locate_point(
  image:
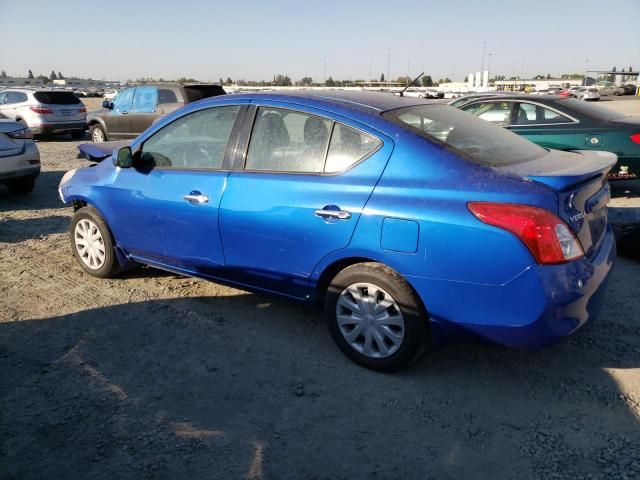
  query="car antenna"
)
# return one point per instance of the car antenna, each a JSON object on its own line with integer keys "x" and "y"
{"x": 414, "y": 81}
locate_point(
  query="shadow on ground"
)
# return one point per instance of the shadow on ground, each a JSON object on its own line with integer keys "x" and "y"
{"x": 246, "y": 386}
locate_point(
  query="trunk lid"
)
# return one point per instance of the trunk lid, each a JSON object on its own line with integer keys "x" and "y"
{"x": 10, "y": 146}
{"x": 579, "y": 180}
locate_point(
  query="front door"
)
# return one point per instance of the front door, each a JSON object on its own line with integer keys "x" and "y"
{"x": 166, "y": 206}
{"x": 117, "y": 119}
{"x": 304, "y": 184}
{"x": 144, "y": 110}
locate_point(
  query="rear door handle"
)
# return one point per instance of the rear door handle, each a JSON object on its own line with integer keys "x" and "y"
{"x": 196, "y": 197}
{"x": 337, "y": 214}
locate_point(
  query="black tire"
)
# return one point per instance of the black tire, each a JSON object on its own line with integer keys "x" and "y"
{"x": 416, "y": 329}
{"x": 78, "y": 134}
{"x": 21, "y": 186}
{"x": 96, "y": 131}
{"x": 110, "y": 266}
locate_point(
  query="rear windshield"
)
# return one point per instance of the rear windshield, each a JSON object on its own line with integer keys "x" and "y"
{"x": 592, "y": 110}
{"x": 473, "y": 138}
{"x": 56, "y": 98}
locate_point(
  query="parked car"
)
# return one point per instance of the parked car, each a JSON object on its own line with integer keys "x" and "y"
{"x": 567, "y": 124}
{"x": 630, "y": 89}
{"x": 19, "y": 157}
{"x": 386, "y": 210}
{"x": 587, "y": 93}
{"x": 608, "y": 88}
{"x": 433, "y": 93}
{"x": 411, "y": 92}
{"x": 474, "y": 96}
{"x": 134, "y": 109}
{"x": 109, "y": 94}
{"x": 45, "y": 111}
{"x": 574, "y": 90}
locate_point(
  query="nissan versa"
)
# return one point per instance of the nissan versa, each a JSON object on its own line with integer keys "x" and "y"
{"x": 410, "y": 222}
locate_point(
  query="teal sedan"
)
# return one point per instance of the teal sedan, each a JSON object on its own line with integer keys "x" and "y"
{"x": 564, "y": 123}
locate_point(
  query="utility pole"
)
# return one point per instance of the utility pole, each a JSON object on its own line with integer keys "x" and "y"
{"x": 489, "y": 69}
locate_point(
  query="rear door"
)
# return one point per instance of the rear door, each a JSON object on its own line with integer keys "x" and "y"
{"x": 144, "y": 109}
{"x": 551, "y": 128}
{"x": 298, "y": 195}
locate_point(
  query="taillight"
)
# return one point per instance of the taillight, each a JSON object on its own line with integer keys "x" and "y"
{"x": 23, "y": 133}
{"x": 41, "y": 110}
{"x": 635, "y": 138}
{"x": 83, "y": 110}
{"x": 547, "y": 237}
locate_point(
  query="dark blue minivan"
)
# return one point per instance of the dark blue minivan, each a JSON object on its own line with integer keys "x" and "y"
{"x": 409, "y": 222}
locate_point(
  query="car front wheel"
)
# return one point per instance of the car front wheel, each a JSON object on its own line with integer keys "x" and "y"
{"x": 375, "y": 317}
{"x": 97, "y": 133}
{"x": 92, "y": 243}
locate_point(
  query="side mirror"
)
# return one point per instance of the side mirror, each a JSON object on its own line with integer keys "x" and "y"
{"x": 122, "y": 157}
{"x": 107, "y": 104}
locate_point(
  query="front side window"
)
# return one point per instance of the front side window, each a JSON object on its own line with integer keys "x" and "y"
{"x": 145, "y": 100}
{"x": 348, "y": 146}
{"x": 197, "y": 140}
{"x": 287, "y": 141}
{"x": 530, "y": 114}
{"x": 122, "y": 101}
{"x": 496, "y": 112}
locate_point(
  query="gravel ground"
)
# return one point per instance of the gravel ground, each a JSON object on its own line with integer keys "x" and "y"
{"x": 153, "y": 375}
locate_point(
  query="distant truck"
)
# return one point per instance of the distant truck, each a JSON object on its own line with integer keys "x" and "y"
{"x": 134, "y": 109}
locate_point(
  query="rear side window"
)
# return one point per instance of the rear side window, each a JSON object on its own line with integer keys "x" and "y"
{"x": 197, "y": 140}
{"x": 530, "y": 114}
{"x": 56, "y": 98}
{"x": 145, "y": 100}
{"x": 348, "y": 146}
{"x": 16, "y": 97}
{"x": 288, "y": 141}
{"x": 473, "y": 138}
{"x": 166, "y": 96}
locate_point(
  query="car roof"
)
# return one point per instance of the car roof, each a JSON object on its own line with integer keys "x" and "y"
{"x": 362, "y": 101}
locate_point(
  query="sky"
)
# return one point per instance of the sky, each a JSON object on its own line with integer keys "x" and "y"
{"x": 347, "y": 39}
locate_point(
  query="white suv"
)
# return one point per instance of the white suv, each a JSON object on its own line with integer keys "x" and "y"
{"x": 45, "y": 111}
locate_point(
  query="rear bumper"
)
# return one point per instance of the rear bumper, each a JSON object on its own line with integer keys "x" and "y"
{"x": 25, "y": 164}
{"x": 538, "y": 307}
{"x": 58, "y": 127}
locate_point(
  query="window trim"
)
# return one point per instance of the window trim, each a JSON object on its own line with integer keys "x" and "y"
{"x": 240, "y": 160}
{"x": 228, "y": 154}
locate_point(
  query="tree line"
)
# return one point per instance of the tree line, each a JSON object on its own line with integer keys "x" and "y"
{"x": 45, "y": 79}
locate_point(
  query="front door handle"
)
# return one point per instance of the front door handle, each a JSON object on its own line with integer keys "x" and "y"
{"x": 335, "y": 214}
{"x": 196, "y": 197}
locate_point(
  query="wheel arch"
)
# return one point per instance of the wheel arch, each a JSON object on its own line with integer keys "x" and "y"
{"x": 329, "y": 272}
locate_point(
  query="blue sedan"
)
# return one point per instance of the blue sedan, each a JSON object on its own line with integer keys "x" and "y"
{"x": 412, "y": 224}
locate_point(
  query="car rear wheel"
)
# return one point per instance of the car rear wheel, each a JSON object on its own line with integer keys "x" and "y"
{"x": 375, "y": 317}
{"x": 21, "y": 186}
{"x": 92, "y": 243}
{"x": 97, "y": 133}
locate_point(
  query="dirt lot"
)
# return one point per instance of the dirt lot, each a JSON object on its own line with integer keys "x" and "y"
{"x": 152, "y": 375}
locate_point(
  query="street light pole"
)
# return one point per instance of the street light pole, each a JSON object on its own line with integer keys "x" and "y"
{"x": 325, "y": 69}
{"x": 388, "y": 64}
{"x": 489, "y": 68}
{"x": 484, "y": 50}
{"x": 586, "y": 70}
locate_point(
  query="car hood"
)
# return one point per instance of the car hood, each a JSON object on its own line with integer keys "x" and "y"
{"x": 96, "y": 152}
